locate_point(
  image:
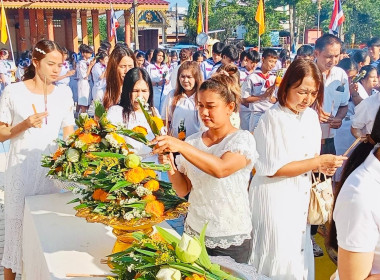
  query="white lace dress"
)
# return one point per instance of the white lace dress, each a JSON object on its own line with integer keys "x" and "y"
{"x": 282, "y": 246}
{"x": 222, "y": 203}
{"x": 24, "y": 175}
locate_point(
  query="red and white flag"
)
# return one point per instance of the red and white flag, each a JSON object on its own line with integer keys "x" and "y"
{"x": 114, "y": 24}
{"x": 337, "y": 18}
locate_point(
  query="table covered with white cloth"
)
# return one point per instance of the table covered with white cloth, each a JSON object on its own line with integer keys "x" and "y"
{"x": 57, "y": 243}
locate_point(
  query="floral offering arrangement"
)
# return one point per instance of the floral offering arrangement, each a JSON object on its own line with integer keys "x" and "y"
{"x": 112, "y": 183}
{"x": 164, "y": 256}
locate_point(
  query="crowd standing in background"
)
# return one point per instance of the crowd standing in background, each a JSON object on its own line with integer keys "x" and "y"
{"x": 227, "y": 114}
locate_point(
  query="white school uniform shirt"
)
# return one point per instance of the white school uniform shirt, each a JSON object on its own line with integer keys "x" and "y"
{"x": 255, "y": 85}
{"x": 173, "y": 76}
{"x": 243, "y": 77}
{"x": 99, "y": 84}
{"x": 357, "y": 211}
{"x": 5, "y": 68}
{"x": 185, "y": 110}
{"x": 65, "y": 68}
{"x": 156, "y": 72}
{"x": 206, "y": 67}
{"x": 333, "y": 99}
{"x": 365, "y": 113}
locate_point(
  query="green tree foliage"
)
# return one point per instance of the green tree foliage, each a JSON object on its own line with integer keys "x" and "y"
{"x": 362, "y": 18}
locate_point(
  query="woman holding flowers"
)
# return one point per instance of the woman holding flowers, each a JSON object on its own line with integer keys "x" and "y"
{"x": 137, "y": 86}
{"x": 214, "y": 169}
{"x": 121, "y": 60}
{"x": 32, "y": 112}
{"x": 180, "y": 104}
{"x": 288, "y": 138}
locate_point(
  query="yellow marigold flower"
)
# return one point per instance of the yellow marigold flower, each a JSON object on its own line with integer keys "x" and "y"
{"x": 149, "y": 197}
{"x": 159, "y": 122}
{"x": 152, "y": 185}
{"x": 89, "y": 138}
{"x": 58, "y": 153}
{"x": 155, "y": 208}
{"x": 78, "y": 131}
{"x": 135, "y": 175}
{"x": 89, "y": 124}
{"x": 150, "y": 173}
{"x": 140, "y": 129}
{"x": 101, "y": 195}
{"x": 119, "y": 139}
{"x": 182, "y": 135}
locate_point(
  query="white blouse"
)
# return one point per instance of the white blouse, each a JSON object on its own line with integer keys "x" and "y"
{"x": 357, "y": 211}
{"x": 222, "y": 203}
{"x": 115, "y": 116}
{"x": 185, "y": 111}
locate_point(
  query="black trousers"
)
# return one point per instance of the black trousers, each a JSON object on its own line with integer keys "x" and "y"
{"x": 240, "y": 254}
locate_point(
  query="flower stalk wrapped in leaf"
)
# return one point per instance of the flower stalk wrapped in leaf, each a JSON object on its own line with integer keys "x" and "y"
{"x": 164, "y": 256}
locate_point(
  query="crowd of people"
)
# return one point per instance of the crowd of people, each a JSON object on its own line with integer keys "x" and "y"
{"x": 245, "y": 133}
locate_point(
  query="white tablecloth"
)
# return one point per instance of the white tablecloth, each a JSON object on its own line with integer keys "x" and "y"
{"x": 56, "y": 243}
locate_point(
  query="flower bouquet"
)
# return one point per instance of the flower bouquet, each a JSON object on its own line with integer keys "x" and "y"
{"x": 164, "y": 256}
{"x": 112, "y": 184}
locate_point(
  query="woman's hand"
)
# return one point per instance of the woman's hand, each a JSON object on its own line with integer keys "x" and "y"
{"x": 324, "y": 117}
{"x": 165, "y": 144}
{"x": 35, "y": 120}
{"x": 167, "y": 159}
{"x": 328, "y": 164}
{"x": 353, "y": 88}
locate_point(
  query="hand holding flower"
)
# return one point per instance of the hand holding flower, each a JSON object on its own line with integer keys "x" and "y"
{"x": 165, "y": 144}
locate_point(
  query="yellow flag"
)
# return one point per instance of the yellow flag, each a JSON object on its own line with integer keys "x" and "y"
{"x": 200, "y": 19}
{"x": 260, "y": 17}
{"x": 3, "y": 26}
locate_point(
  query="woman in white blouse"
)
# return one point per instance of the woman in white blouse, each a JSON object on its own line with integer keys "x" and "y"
{"x": 180, "y": 104}
{"x": 214, "y": 169}
{"x": 137, "y": 84}
{"x": 288, "y": 140}
{"x": 356, "y": 232}
{"x": 159, "y": 74}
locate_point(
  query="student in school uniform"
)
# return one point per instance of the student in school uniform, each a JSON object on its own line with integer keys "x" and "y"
{"x": 259, "y": 88}
{"x": 208, "y": 64}
{"x": 84, "y": 67}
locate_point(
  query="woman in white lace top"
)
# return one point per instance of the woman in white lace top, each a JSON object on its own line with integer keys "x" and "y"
{"x": 214, "y": 167}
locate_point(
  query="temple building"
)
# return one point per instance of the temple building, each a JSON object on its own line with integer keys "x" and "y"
{"x": 30, "y": 20}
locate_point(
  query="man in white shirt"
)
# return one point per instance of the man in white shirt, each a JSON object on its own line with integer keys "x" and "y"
{"x": 336, "y": 94}
{"x": 208, "y": 64}
{"x": 335, "y": 103}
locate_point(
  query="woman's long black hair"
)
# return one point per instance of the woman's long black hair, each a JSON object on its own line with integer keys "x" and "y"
{"x": 357, "y": 157}
{"x": 130, "y": 79}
